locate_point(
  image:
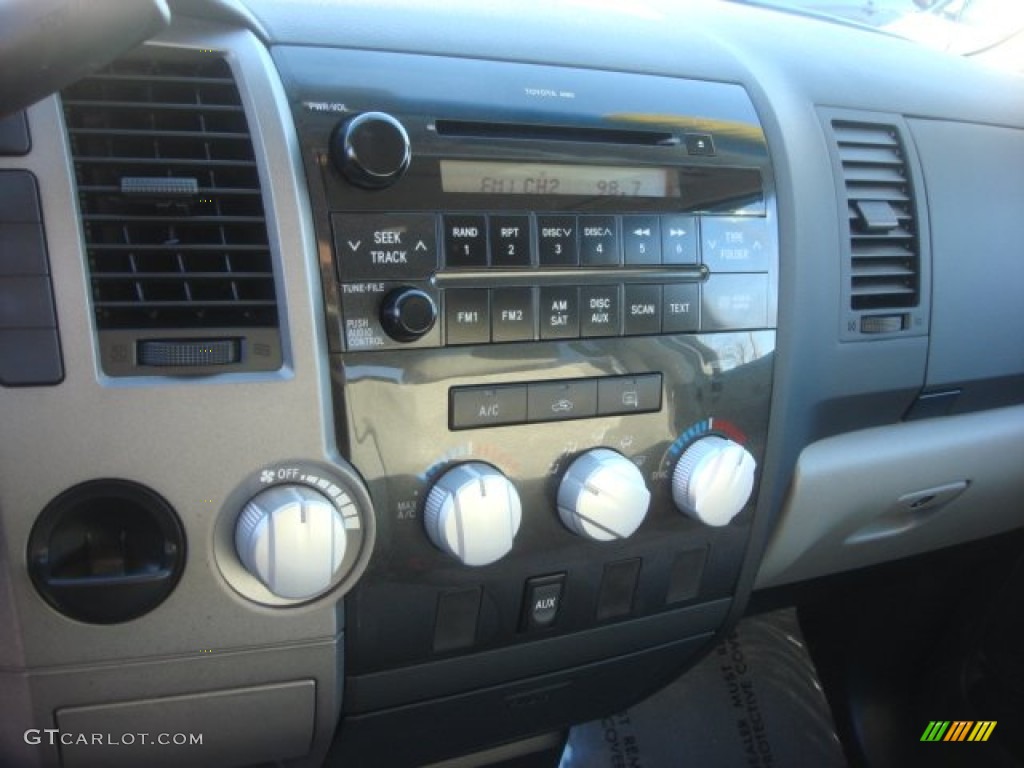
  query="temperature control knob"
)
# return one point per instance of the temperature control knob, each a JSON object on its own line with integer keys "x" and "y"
{"x": 603, "y": 496}
{"x": 473, "y": 513}
{"x": 292, "y": 538}
{"x": 713, "y": 480}
{"x": 407, "y": 314}
{"x": 371, "y": 150}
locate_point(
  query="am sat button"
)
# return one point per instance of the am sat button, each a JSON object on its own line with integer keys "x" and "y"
{"x": 487, "y": 406}
{"x": 542, "y": 601}
{"x": 561, "y": 400}
{"x": 559, "y": 312}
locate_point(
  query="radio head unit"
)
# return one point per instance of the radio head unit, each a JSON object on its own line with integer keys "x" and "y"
{"x": 506, "y": 208}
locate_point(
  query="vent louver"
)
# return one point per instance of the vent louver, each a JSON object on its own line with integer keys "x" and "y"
{"x": 170, "y": 198}
{"x": 885, "y": 268}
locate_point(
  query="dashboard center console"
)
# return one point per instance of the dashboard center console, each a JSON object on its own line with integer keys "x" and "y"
{"x": 552, "y": 297}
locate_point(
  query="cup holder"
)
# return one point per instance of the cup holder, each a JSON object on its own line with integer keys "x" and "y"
{"x": 106, "y": 551}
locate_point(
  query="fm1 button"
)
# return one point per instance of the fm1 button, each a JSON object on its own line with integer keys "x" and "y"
{"x": 542, "y": 602}
{"x": 467, "y": 315}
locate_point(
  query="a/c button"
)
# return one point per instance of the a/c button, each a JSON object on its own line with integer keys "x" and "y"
{"x": 487, "y": 406}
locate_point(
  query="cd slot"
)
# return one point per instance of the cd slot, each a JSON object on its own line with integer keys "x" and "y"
{"x": 494, "y": 278}
{"x": 477, "y": 129}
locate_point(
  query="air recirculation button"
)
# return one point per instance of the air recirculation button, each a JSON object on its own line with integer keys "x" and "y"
{"x": 106, "y": 551}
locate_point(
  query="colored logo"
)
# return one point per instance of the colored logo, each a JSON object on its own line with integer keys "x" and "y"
{"x": 958, "y": 730}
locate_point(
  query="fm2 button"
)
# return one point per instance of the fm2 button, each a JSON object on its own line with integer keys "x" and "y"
{"x": 542, "y": 602}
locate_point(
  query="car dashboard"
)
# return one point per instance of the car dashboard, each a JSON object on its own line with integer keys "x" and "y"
{"x": 386, "y": 383}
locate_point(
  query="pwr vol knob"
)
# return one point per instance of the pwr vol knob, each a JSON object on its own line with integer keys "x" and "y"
{"x": 371, "y": 149}
{"x": 473, "y": 513}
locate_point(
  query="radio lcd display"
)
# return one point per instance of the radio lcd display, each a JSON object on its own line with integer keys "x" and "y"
{"x": 504, "y": 178}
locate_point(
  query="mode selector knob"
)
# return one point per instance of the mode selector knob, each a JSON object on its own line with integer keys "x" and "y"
{"x": 713, "y": 480}
{"x": 473, "y": 513}
{"x": 371, "y": 150}
{"x": 603, "y": 496}
{"x": 292, "y": 538}
{"x": 407, "y": 314}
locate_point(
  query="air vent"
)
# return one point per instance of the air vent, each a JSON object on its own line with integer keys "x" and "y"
{"x": 884, "y": 246}
{"x": 172, "y": 212}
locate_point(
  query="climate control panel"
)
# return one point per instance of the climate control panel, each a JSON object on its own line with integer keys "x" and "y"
{"x": 610, "y": 495}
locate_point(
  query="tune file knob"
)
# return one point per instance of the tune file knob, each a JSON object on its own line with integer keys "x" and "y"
{"x": 292, "y": 538}
{"x": 603, "y": 496}
{"x": 407, "y": 314}
{"x": 713, "y": 479}
{"x": 473, "y": 513}
{"x": 371, "y": 150}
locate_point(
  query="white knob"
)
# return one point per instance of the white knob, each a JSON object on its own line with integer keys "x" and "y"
{"x": 291, "y": 538}
{"x": 603, "y": 496}
{"x": 713, "y": 480}
{"x": 473, "y": 513}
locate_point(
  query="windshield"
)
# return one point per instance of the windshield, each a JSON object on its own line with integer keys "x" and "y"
{"x": 990, "y": 30}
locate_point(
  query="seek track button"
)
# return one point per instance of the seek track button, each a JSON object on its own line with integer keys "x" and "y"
{"x": 385, "y": 246}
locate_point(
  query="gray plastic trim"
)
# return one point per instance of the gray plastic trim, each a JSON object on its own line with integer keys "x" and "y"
{"x": 878, "y": 494}
{"x": 192, "y": 440}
